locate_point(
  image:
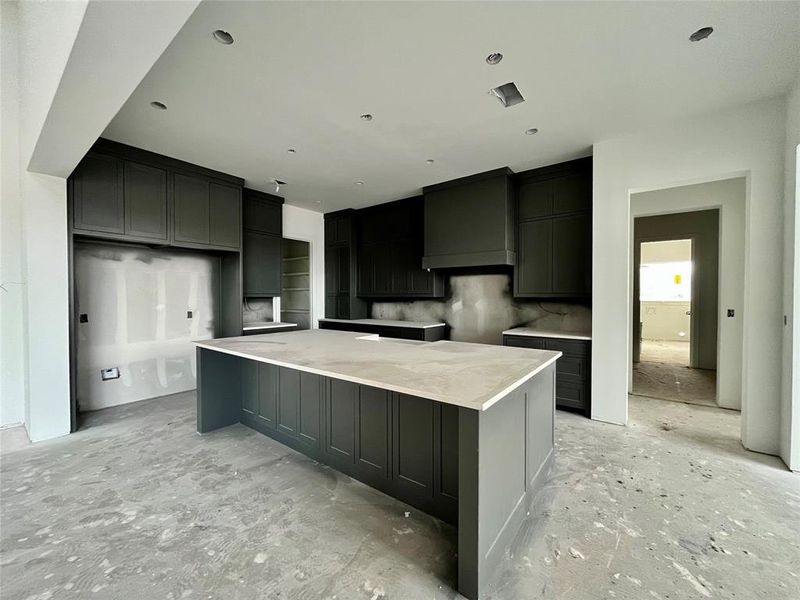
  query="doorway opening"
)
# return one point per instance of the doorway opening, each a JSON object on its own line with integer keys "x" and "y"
{"x": 665, "y": 293}
{"x": 675, "y": 307}
{"x": 295, "y": 300}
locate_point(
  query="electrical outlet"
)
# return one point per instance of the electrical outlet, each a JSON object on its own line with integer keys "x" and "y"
{"x": 188, "y": 314}
{"x": 84, "y": 318}
{"x": 107, "y": 374}
{"x": 730, "y": 312}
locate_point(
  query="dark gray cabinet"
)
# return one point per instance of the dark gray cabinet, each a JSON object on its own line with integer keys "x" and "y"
{"x": 261, "y": 255}
{"x": 122, "y": 193}
{"x": 145, "y": 199}
{"x": 98, "y": 202}
{"x": 225, "y": 202}
{"x": 554, "y": 231}
{"x": 423, "y": 334}
{"x": 206, "y": 212}
{"x": 573, "y": 369}
{"x": 191, "y": 221}
{"x": 262, "y": 229}
{"x": 469, "y": 222}
{"x": 404, "y": 445}
{"x": 341, "y": 270}
{"x": 390, "y": 247}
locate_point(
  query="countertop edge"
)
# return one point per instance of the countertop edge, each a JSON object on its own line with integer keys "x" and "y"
{"x": 386, "y": 386}
{"x": 409, "y": 324}
{"x": 565, "y": 335}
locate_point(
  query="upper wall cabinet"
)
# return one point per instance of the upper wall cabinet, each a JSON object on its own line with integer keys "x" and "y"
{"x": 390, "y": 246}
{"x": 206, "y": 212}
{"x": 261, "y": 249}
{"x": 97, "y": 188}
{"x": 145, "y": 198}
{"x": 123, "y": 193}
{"x": 554, "y": 231}
{"x": 341, "y": 301}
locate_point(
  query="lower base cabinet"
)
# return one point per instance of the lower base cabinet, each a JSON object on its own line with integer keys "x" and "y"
{"x": 403, "y": 445}
{"x": 573, "y": 369}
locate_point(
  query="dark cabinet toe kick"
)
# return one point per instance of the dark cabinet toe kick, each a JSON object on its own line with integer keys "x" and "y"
{"x": 478, "y": 470}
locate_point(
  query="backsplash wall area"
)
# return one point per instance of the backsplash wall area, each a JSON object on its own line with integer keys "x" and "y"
{"x": 135, "y": 304}
{"x": 478, "y": 308}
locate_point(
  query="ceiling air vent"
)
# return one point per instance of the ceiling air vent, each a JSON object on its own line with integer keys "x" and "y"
{"x": 508, "y": 94}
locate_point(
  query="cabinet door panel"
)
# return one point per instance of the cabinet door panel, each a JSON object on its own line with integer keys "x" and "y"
{"x": 262, "y": 215}
{"x": 449, "y": 451}
{"x": 331, "y": 269}
{"x": 261, "y": 256}
{"x": 570, "y": 394}
{"x": 288, "y": 400}
{"x": 535, "y": 199}
{"x": 267, "y": 393}
{"x": 572, "y": 193}
{"x": 413, "y": 443}
{"x": 373, "y": 429}
{"x": 572, "y": 247}
{"x": 310, "y": 407}
{"x": 225, "y": 203}
{"x": 382, "y": 269}
{"x": 534, "y": 268}
{"x": 250, "y": 387}
{"x": 342, "y": 306}
{"x": 145, "y": 191}
{"x": 98, "y": 203}
{"x": 191, "y": 209}
{"x": 343, "y": 269}
{"x": 341, "y": 419}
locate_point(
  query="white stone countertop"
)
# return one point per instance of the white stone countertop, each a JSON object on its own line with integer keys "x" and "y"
{"x": 549, "y": 333}
{"x": 471, "y": 375}
{"x": 389, "y": 323}
{"x": 265, "y": 325}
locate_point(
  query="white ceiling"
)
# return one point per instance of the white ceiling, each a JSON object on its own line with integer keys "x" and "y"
{"x": 300, "y": 74}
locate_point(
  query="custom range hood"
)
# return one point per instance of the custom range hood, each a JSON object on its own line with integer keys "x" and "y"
{"x": 469, "y": 222}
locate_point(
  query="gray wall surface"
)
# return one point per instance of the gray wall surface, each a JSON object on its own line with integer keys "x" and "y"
{"x": 136, "y": 301}
{"x": 702, "y": 227}
{"x": 478, "y": 308}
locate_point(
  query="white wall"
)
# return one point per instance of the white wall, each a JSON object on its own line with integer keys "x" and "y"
{"x": 666, "y": 321}
{"x": 790, "y": 401}
{"x": 309, "y": 226}
{"x": 35, "y": 342}
{"x": 12, "y": 362}
{"x": 729, "y": 196}
{"x": 747, "y": 141}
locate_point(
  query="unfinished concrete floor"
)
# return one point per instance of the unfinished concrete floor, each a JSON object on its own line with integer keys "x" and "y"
{"x": 138, "y": 506}
{"x": 665, "y": 351}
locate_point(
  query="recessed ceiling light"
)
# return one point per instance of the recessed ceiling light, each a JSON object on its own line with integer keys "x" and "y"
{"x": 494, "y": 58}
{"x": 701, "y": 34}
{"x": 366, "y": 117}
{"x": 359, "y": 182}
{"x": 531, "y": 131}
{"x": 158, "y": 105}
{"x": 429, "y": 161}
{"x": 223, "y": 37}
{"x": 292, "y": 151}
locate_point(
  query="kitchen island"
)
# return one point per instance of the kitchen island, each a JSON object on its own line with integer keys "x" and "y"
{"x": 461, "y": 431}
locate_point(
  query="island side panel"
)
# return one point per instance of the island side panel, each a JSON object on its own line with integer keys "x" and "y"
{"x": 504, "y": 457}
{"x": 219, "y": 390}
